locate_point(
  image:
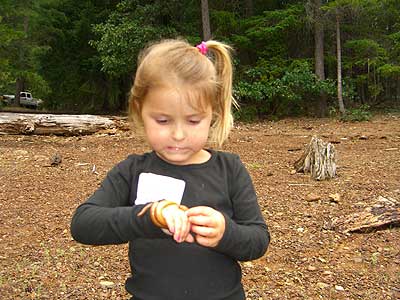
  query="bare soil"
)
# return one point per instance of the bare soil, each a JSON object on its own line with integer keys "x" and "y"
{"x": 305, "y": 260}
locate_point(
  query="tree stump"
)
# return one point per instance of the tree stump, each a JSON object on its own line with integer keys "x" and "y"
{"x": 319, "y": 159}
{"x": 383, "y": 214}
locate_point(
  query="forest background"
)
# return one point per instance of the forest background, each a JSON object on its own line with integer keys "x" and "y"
{"x": 291, "y": 57}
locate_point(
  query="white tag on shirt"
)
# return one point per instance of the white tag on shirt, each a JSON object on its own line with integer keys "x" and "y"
{"x": 153, "y": 187}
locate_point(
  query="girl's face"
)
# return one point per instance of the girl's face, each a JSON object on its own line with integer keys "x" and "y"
{"x": 175, "y": 130}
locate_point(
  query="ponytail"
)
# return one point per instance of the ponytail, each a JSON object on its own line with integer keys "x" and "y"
{"x": 222, "y": 107}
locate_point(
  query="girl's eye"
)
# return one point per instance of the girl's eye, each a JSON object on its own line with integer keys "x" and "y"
{"x": 162, "y": 121}
{"x": 194, "y": 122}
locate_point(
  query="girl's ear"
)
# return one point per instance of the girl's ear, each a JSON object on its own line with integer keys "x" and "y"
{"x": 213, "y": 117}
{"x": 137, "y": 108}
{"x": 135, "y": 111}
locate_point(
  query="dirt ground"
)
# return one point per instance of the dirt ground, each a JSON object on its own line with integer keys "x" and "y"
{"x": 305, "y": 260}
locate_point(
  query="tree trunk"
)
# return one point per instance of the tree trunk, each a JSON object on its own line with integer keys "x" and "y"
{"x": 249, "y": 8}
{"x": 339, "y": 66}
{"x": 19, "y": 85}
{"x": 20, "y": 81}
{"x": 205, "y": 20}
{"x": 46, "y": 124}
{"x": 319, "y": 56}
{"x": 364, "y": 92}
{"x": 397, "y": 97}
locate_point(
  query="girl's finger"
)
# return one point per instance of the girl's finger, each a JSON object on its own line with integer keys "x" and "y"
{"x": 189, "y": 238}
{"x": 203, "y": 231}
{"x": 186, "y": 228}
{"x": 202, "y": 220}
{"x": 178, "y": 229}
{"x": 204, "y": 241}
{"x": 166, "y": 231}
{"x": 200, "y": 210}
{"x": 182, "y": 228}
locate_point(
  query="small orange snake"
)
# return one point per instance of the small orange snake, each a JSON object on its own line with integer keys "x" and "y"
{"x": 156, "y": 209}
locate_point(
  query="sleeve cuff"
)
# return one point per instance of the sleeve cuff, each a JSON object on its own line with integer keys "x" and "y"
{"x": 226, "y": 240}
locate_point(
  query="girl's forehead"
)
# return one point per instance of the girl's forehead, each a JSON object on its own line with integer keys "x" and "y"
{"x": 184, "y": 96}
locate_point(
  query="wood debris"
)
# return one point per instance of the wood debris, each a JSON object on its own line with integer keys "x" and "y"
{"x": 383, "y": 214}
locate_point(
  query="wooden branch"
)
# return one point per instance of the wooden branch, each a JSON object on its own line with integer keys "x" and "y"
{"x": 319, "y": 159}
{"x": 383, "y": 214}
{"x": 45, "y": 124}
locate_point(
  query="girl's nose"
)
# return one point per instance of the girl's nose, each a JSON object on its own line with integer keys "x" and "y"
{"x": 178, "y": 133}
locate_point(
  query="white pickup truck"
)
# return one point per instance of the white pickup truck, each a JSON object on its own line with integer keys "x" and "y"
{"x": 25, "y": 99}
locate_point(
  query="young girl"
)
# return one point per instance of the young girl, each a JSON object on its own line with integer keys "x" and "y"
{"x": 189, "y": 213}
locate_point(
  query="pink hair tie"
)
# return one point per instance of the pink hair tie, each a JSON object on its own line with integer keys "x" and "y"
{"x": 202, "y": 48}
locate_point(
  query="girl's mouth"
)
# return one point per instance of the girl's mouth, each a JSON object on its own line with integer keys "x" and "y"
{"x": 175, "y": 148}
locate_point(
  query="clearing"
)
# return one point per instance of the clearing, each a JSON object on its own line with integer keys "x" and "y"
{"x": 306, "y": 260}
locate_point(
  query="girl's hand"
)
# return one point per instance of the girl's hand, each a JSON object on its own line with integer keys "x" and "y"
{"x": 178, "y": 224}
{"x": 208, "y": 225}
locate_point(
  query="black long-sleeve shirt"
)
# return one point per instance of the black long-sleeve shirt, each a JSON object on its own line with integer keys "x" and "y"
{"x": 162, "y": 268}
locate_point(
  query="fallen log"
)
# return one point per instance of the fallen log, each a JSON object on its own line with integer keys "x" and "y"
{"x": 319, "y": 158}
{"x": 383, "y": 214}
{"x": 46, "y": 124}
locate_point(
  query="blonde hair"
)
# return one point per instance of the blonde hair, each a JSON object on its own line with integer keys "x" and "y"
{"x": 205, "y": 80}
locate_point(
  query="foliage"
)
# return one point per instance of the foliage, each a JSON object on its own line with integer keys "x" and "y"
{"x": 81, "y": 55}
{"x": 124, "y": 34}
{"x": 288, "y": 94}
{"x": 270, "y": 34}
{"x": 70, "y": 64}
{"x": 388, "y": 70}
{"x": 7, "y": 36}
{"x": 365, "y": 51}
{"x": 357, "y": 114}
{"x": 395, "y": 38}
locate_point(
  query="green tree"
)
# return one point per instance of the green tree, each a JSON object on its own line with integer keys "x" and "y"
{"x": 82, "y": 54}
{"x": 7, "y": 36}
{"x": 71, "y": 65}
{"x": 341, "y": 11}
{"x": 132, "y": 25}
{"x": 20, "y": 49}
